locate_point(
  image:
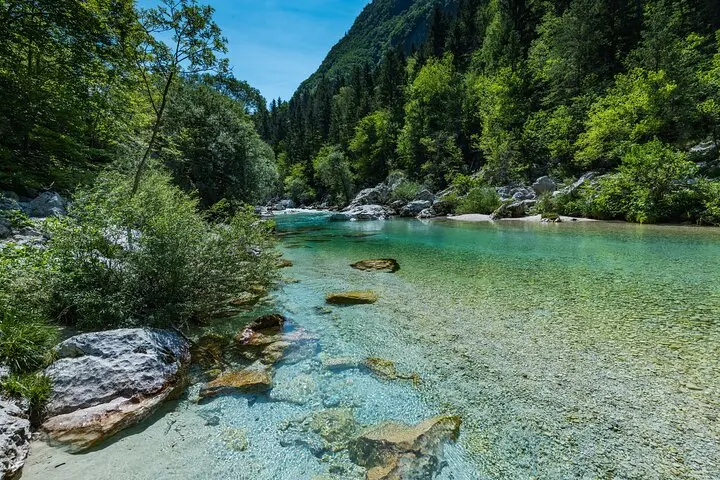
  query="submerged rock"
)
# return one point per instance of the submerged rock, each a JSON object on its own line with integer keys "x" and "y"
{"x": 336, "y": 427}
{"x": 283, "y": 263}
{"x": 397, "y": 451}
{"x": 380, "y": 264}
{"x": 386, "y": 369}
{"x": 107, "y": 381}
{"x": 250, "y": 380}
{"x": 352, "y": 298}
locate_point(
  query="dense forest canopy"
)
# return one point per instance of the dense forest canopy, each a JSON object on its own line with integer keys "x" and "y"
{"x": 88, "y": 83}
{"x": 513, "y": 89}
{"x": 503, "y": 90}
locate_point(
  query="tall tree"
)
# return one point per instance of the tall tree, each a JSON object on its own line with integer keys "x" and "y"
{"x": 195, "y": 41}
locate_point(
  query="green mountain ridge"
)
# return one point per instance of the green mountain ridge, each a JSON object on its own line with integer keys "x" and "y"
{"x": 383, "y": 24}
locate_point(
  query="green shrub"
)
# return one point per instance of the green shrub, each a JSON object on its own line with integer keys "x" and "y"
{"x": 710, "y": 214}
{"x": 406, "y": 191}
{"x": 34, "y": 387}
{"x": 482, "y": 200}
{"x": 25, "y": 343}
{"x": 462, "y": 184}
{"x": 653, "y": 184}
{"x": 153, "y": 259}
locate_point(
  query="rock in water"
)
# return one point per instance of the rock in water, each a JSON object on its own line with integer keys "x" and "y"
{"x": 363, "y": 212}
{"x": 352, "y": 298}
{"x": 14, "y": 436}
{"x": 414, "y": 208}
{"x": 107, "y": 381}
{"x": 380, "y": 264}
{"x": 397, "y": 451}
{"x": 243, "y": 381}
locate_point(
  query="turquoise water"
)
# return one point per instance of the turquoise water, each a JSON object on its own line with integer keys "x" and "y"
{"x": 585, "y": 350}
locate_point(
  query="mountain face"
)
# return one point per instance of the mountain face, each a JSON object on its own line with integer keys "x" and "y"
{"x": 383, "y": 24}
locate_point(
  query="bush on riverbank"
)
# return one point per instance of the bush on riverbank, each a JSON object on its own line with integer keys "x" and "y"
{"x": 153, "y": 259}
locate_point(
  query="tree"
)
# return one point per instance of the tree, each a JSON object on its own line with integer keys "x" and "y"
{"x": 709, "y": 107}
{"x": 639, "y": 107}
{"x": 214, "y": 148}
{"x": 373, "y": 147}
{"x": 427, "y": 145}
{"x": 332, "y": 170}
{"x": 652, "y": 184}
{"x": 195, "y": 40}
{"x": 67, "y": 91}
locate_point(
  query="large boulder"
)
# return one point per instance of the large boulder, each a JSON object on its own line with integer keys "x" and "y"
{"x": 398, "y": 451}
{"x": 425, "y": 195}
{"x": 378, "y": 195}
{"x": 363, "y": 212}
{"x": 570, "y": 189}
{"x": 5, "y": 228}
{"x": 14, "y": 436}
{"x": 414, "y": 208}
{"x": 544, "y": 185}
{"x": 523, "y": 193}
{"x": 107, "y": 381}
{"x": 427, "y": 213}
{"x": 514, "y": 210}
{"x": 7, "y": 203}
{"x": 47, "y": 204}
{"x": 14, "y": 432}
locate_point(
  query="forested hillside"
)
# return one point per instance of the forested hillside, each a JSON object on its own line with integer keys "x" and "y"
{"x": 513, "y": 90}
{"x": 82, "y": 83}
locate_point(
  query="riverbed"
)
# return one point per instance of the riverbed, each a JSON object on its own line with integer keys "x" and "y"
{"x": 575, "y": 350}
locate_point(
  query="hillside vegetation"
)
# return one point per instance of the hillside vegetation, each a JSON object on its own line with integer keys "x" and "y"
{"x": 510, "y": 90}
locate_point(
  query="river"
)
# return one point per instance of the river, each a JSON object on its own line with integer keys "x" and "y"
{"x": 576, "y": 350}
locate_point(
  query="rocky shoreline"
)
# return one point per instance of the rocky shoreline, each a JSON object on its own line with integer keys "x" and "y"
{"x": 379, "y": 203}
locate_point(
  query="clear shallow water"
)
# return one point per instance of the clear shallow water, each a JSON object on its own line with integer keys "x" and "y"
{"x": 570, "y": 351}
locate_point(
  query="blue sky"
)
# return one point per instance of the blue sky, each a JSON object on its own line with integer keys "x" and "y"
{"x": 276, "y": 44}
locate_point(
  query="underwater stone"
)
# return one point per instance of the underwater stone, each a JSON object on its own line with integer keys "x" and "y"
{"x": 379, "y": 264}
{"x": 243, "y": 381}
{"x": 352, "y": 298}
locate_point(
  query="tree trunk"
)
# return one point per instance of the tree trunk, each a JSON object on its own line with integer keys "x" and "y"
{"x": 153, "y": 138}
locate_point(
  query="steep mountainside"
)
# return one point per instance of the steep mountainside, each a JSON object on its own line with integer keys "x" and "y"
{"x": 382, "y": 24}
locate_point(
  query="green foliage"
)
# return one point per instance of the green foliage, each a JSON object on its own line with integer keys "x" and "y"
{"x": 25, "y": 342}
{"x": 297, "y": 187}
{"x": 427, "y": 145}
{"x": 654, "y": 183}
{"x": 462, "y": 184}
{"x": 67, "y": 97}
{"x": 152, "y": 259}
{"x": 483, "y": 200}
{"x": 215, "y": 149}
{"x": 637, "y": 108}
{"x": 494, "y": 100}
{"x": 373, "y": 147}
{"x": 406, "y": 191}
{"x": 33, "y": 387}
{"x": 332, "y": 170}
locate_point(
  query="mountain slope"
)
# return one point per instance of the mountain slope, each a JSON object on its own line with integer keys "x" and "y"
{"x": 381, "y": 25}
